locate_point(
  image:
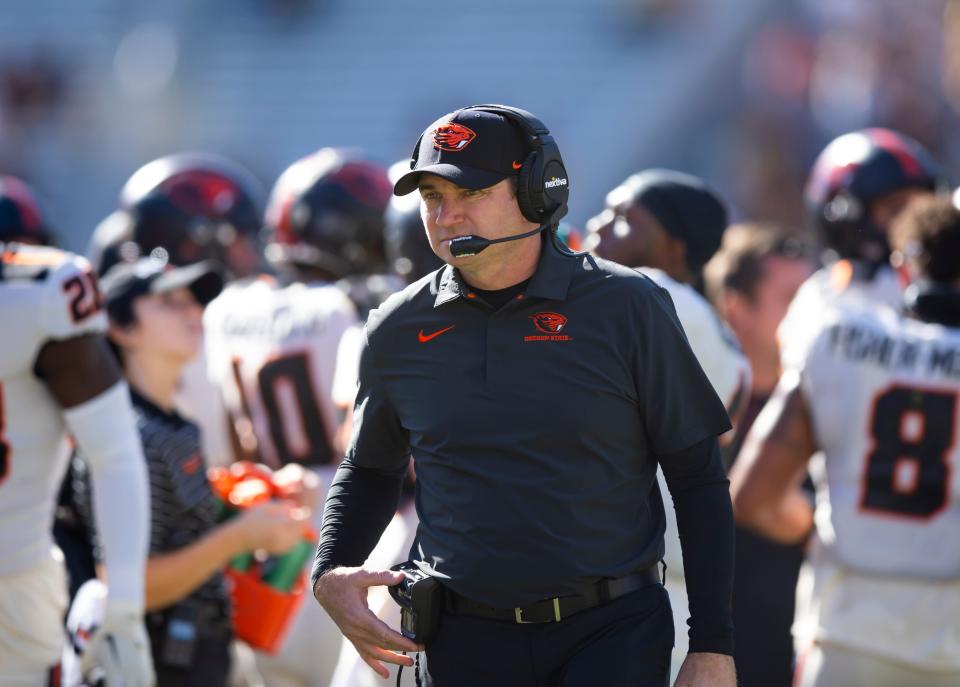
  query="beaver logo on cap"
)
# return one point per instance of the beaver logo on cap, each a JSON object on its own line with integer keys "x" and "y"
{"x": 549, "y": 322}
{"x": 452, "y": 137}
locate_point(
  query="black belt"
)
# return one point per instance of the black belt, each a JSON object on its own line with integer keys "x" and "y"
{"x": 559, "y": 607}
{"x": 210, "y": 620}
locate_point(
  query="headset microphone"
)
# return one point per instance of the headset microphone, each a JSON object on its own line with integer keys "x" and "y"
{"x": 462, "y": 246}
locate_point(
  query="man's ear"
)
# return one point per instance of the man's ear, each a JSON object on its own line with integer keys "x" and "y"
{"x": 731, "y": 305}
{"x": 123, "y": 336}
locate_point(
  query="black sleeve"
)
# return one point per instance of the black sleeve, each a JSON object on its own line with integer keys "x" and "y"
{"x": 701, "y": 499}
{"x": 359, "y": 506}
{"x": 366, "y": 490}
{"x": 677, "y": 402}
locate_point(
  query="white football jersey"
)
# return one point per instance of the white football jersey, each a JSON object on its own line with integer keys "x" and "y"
{"x": 884, "y": 397}
{"x": 826, "y": 293}
{"x": 272, "y": 352}
{"x": 45, "y": 295}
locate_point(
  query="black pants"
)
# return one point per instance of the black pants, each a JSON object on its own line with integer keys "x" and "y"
{"x": 764, "y": 588}
{"x": 625, "y": 642}
{"x": 210, "y": 664}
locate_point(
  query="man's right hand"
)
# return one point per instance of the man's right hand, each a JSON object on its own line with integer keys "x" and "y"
{"x": 343, "y": 594}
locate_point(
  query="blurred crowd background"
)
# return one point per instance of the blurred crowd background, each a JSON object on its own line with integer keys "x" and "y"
{"x": 741, "y": 92}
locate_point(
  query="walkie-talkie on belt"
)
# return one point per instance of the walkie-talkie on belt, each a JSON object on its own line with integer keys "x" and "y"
{"x": 420, "y": 598}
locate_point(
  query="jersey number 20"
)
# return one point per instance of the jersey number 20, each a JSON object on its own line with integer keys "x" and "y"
{"x": 907, "y": 469}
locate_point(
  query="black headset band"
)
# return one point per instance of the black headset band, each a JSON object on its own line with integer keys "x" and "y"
{"x": 530, "y": 124}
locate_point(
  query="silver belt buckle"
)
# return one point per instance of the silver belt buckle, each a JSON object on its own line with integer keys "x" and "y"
{"x": 518, "y": 614}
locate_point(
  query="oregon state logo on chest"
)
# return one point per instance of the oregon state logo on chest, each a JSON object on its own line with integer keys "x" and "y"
{"x": 550, "y": 325}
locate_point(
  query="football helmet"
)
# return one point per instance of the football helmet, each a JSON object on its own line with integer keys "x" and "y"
{"x": 195, "y": 206}
{"x": 856, "y": 170}
{"x": 326, "y": 212}
{"x": 409, "y": 254}
{"x": 20, "y": 217}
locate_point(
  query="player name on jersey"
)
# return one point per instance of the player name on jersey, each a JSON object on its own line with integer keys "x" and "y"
{"x": 279, "y": 324}
{"x": 863, "y": 344}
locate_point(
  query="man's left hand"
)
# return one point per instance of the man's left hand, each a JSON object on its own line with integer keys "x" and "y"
{"x": 707, "y": 670}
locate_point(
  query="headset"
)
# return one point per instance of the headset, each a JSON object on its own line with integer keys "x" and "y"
{"x": 543, "y": 187}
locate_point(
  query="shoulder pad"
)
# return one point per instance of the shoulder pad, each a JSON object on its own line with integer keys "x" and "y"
{"x": 21, "y": 262}
{"x": 73, "y": 304}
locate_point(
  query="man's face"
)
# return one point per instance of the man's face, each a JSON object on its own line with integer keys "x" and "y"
{"x": 628, "y": 234}
{"x": 449, "y": 211}
{"x": 169, "y": 327}
{"x": 755, "y": 321}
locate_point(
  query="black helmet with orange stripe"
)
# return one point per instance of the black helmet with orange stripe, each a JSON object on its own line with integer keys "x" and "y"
{"x": 326, "y": 213}
{"x": 196, "y": 206}
{"x": 858, "y": 184}
{"x": 21, "y": 219}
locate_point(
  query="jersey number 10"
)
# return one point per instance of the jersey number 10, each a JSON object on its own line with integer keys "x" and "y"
{"x": 297, "y": 428}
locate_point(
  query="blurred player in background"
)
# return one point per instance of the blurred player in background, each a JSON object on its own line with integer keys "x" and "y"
{"x": 751, "y": 281}
{"x": 155, "y": 328}
{"x": 668, "y": 225}
{"x": 57, "y": 376}
{"x": 878, "y": 393}
{"x": 858, "y": 185}
{"x": 185, "y": 208}
{"x": 326, "y": 216}
{"x": 272, "y": 347}
{"x": 197, "y": 206}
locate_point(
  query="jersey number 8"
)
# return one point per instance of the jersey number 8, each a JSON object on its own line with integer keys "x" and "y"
{"x": 907, "y": 469}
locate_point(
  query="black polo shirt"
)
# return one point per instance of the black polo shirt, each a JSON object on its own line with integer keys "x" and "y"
{"x": 535, "y": 427}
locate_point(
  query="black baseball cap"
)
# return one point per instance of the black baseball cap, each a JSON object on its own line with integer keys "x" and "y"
{"x": 473, "y": 149}
{"x": 685, "y": 207}
{"x": 127, "y": 281}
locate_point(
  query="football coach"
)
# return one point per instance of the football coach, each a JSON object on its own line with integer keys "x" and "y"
{"x": 536, "y": 390}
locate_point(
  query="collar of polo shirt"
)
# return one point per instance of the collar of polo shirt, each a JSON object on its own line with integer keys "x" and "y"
{"x": 550, "y": 281}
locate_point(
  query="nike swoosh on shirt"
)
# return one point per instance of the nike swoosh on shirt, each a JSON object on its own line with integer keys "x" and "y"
{"x": 424, "y": 338}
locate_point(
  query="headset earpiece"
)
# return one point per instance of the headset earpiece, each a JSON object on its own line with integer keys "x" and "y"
{"x": 526, "y": 183}
{"x": 542, "y": 185}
